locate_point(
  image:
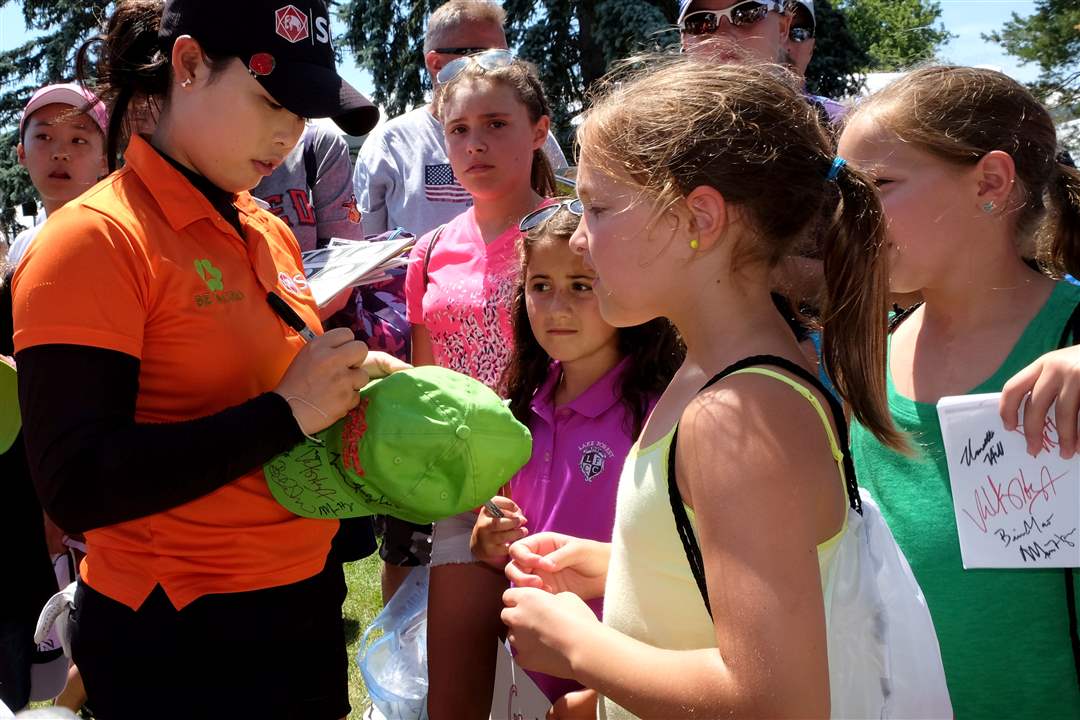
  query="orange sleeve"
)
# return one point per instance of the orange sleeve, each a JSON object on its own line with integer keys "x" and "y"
{"x": 85, "y": 281}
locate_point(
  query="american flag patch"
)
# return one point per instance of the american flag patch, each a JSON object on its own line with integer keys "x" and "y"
{"x": 440, "y": 185}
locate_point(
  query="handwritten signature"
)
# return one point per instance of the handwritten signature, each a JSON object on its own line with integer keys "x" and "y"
{"x": 995, "y": 498}
{"x": 1033, "y": 552}
{"x": 993, "y": 452}
{"x": 1032, "y": 524}
{"x": 1050, "y": 440}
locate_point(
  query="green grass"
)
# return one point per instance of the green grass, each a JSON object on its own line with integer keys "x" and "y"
{"x": 361, "y": 606}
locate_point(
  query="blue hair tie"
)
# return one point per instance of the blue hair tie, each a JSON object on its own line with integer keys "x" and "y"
{"x": 834, "y": 172}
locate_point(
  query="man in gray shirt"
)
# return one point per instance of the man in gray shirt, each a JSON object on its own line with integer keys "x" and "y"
{"x": 403, "y": 177}
{"x": 312, "y": 192}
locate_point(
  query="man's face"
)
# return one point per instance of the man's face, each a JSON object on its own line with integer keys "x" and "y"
{"x": 474, "y": 36}
{"x": 762, "y": 41}
{"x": 800, "y": 40}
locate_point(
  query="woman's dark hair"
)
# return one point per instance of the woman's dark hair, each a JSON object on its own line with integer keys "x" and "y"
{"x": 131, "y": 66}
{"x": 654, "y": 348}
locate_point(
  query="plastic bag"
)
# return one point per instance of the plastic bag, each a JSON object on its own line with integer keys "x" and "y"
{"x": 394, "y": 666}
{"x": 884, "y": 659}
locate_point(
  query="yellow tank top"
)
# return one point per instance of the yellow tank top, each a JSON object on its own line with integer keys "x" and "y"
{"x": 651, "y": 594}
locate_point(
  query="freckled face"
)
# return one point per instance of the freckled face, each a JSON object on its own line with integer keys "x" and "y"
{"x": 928, "y": 214}
{"x": 625, "y": 245}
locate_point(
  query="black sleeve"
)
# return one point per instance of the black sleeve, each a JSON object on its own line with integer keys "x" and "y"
{"x": 93, "y": 465}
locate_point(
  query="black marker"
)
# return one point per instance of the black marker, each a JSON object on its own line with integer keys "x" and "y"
{"x": 286, "y": 313}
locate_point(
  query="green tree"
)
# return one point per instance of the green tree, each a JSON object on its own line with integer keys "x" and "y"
{"x": 1049, "y": 37}
{"x": 839, "y": 58}
{"x": 895, "y": 33}
{"x": 58, "y": 28}
{"x": 572, "y": 43}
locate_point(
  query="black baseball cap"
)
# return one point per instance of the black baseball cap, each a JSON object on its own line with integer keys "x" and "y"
{"x": 286, "y": 46}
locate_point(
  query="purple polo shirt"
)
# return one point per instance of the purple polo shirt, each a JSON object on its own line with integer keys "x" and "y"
{"x": 570, "y": 482}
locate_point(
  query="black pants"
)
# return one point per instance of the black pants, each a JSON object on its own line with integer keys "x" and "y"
{"x": 274, "y": 653}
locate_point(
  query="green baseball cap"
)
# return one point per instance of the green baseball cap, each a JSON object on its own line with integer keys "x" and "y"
{"x": 423, "y": 444}
{"x": 10, "y": 419}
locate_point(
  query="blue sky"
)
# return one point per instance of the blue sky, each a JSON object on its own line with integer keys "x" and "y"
{"x": 967, "y": 19}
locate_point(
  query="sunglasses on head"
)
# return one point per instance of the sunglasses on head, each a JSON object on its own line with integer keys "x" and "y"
{"x": 488, "y": 60}
{"x": 460, "y": 50}
{"x": 707, "y": 22}
{"x": 538, "y": 217}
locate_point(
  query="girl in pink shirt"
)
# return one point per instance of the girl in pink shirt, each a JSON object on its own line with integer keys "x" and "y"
{"x": 584, "y": 389}
{"x": 458, "y": 290}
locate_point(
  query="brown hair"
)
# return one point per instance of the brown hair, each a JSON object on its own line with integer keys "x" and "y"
{"x": 959, "y": 114}
{"x": 131, "y": 67}
{"x": 521, "y": 76}
{"x": 747, "y": 132}
{"x": 454, "y": 14}
{"x": 654, "y": 347}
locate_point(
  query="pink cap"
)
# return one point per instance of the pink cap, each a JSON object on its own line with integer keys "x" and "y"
{"x": 71, "y": 94}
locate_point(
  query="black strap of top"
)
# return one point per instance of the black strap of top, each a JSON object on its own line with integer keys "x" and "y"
{"x": 431, "y": 251}
{"x": 682, "y": 521}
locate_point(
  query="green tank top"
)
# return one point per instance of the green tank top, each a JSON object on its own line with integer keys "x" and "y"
{"x": 1004, "y": 634}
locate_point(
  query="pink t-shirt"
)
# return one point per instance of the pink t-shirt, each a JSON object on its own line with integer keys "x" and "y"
{"x": 466, "y": 304}
{"x": 570, "y": 482}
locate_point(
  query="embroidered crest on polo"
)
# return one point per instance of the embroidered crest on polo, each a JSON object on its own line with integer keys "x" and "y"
{"x": 291, "y": 23}
{"x": 594, "y": 456}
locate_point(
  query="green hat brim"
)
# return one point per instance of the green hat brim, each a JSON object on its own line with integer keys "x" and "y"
{"x": 10, "y": 419}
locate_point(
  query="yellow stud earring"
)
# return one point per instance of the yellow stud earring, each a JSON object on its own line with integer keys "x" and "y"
{"x": 694, "y": 244}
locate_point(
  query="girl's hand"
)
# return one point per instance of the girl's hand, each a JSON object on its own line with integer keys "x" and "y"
{"x": 321, "y": 383}
{"x": 492, "y": 536}
{"x": 560, "y": 563}
{"x": 579, "y": 705}
{"x": 1055, "y": 377}
{"x": 543, "y": 628}
{"x": 380, "y": 364}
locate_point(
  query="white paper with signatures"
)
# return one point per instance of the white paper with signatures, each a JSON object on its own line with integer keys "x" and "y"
{"x": 1012, "y": 510}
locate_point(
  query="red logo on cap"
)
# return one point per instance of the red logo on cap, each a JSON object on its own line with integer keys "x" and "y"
{"x": 291, "y": 24}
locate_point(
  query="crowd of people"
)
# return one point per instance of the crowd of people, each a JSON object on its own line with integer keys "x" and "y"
{"x": 738, "y": 260}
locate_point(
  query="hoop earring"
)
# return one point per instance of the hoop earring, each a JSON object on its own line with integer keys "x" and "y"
{"x": 988, "y": 207}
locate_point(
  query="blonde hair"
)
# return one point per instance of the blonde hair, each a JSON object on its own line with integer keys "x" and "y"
{"x": 454, "y": 14}
{"x": 959, "y": 114}
{"x": 673, "y": 124}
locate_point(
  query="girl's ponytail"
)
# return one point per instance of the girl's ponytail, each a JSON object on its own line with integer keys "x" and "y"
{"x": 543, "y": 177}
{"x": 1063, "y": 228}
{"x": 854, "y": 314}
{"x": 130, "y": 65}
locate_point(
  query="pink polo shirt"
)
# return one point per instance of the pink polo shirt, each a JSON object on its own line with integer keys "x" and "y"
{"x": 569, "y": 484}
{"x": 466, "y": 303}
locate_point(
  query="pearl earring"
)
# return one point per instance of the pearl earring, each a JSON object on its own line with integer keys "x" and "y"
{"x": 988, "y": 207}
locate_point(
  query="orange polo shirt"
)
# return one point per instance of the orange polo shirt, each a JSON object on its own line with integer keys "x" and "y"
{"x": 144, "y": 265}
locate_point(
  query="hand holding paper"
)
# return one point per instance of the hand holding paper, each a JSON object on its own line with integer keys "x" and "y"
{"x": 1052, "y": 380}
{"x": 1013, "y": 510}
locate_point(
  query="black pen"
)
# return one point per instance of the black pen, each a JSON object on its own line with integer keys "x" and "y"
{"x": 286, "y": 313}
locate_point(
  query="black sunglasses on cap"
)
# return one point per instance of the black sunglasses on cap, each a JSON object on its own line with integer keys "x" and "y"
{"x": 460, "y": 50}
{"x": 707, "y": 22}
{"x": 538, "y": 217}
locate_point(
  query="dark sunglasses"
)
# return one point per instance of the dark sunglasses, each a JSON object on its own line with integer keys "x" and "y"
{"x": 460, "y": 50}
{"x": 538, "y": 217}
{"x": 707, "y": 22}
{"x": 488, "y": 59}
{"x": 801, "y": 34}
